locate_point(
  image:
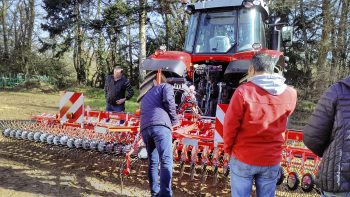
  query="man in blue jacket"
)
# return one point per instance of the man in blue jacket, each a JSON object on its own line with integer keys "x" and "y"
{"x": 158, "y": 117}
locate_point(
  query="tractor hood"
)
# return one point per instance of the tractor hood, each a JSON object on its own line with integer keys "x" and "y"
{"x": 242, "y": 61}
{"x": 172, "y": 61}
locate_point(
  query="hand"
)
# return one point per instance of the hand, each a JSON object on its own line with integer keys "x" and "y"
{"x": 177, "y": 124}
{"x": 120, "y": 101}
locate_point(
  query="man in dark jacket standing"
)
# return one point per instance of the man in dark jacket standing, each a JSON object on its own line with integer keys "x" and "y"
{"x": 158, "y": 116}
{"x": 253, "y": 128}
{"x": 115, "y": 87}
{"x": 327, "y": 134}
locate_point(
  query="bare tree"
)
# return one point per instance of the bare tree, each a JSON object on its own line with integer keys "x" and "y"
{"x": 325, "y": 44}
{"x": 142, "y": 37}
{"x": 4, "y": 28}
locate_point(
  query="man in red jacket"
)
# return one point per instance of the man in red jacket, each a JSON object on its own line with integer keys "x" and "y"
{"x": 253, "y": 128}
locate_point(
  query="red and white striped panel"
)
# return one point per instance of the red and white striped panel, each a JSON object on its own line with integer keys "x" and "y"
{"x": 72, "y": 108}
{"x": 219, "y": 123}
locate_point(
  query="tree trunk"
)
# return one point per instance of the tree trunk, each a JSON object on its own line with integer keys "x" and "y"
{"x": 100, "y": 59}
{"x": 131, "y": 63}
{"x": 167, "y": 31}
{"x": 80, "y": 64}
{"x": 28, "y": 44}
{"x": 142, "y": 38}
{"x": 325, "y": 43}
{"x": 304, "y": 36}
{"x": 31, "y": 24}
{"x": 337, "y": 41}
{"x": 4, "y": 28}
{"x": 342, "y": 35}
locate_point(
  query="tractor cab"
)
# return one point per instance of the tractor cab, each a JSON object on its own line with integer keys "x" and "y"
{"x": 227, "y": 27}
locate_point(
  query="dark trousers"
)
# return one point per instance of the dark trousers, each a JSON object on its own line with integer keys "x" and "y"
{"x": 158, "y": 140}
{"x": 115, "y": 108}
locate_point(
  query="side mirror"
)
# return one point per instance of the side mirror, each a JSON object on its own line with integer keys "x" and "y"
{"x": 287, "y": 35}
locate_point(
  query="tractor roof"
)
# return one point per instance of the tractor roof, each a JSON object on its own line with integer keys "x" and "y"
{"x": 214, "y": 4}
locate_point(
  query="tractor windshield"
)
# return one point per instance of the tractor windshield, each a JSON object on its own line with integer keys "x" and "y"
{"x": 219, "y": 32}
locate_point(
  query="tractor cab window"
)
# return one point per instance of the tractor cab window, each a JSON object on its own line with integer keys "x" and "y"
{"x": 191, "y": 33}
{"x": 220, "y": 31}
{"x": 216, "y": 33}
{"x": 250, "y": 29}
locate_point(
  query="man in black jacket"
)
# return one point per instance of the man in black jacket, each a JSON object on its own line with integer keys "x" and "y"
{"x": 115, "y": 87}
{"x": 327, "y": 134}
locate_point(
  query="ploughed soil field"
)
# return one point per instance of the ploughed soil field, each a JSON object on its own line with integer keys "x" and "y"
{"x": 35, "y": 169}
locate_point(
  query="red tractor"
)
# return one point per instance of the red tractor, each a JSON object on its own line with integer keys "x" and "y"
{"x": 222, "y": 37}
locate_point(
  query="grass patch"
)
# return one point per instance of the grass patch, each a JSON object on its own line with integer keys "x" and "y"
{"x": 95, "y": 98}
{"x": 21, "y": 105}
{"x": 301, "y": 114}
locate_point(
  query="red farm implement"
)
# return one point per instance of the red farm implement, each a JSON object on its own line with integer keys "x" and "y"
{"x": 197, "y": 143}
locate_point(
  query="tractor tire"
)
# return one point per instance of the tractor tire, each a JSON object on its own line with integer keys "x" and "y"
{"x": 281, "y": 176}
{"x": 307, "y": 182}
{"x": 293, "y": 181}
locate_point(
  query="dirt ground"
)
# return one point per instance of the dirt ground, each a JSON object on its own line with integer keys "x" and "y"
{"x": 35, "y": 169}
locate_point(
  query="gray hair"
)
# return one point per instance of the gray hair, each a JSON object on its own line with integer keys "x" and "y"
{"x": 263, "y": 63}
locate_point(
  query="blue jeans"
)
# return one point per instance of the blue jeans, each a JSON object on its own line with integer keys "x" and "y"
{"x": 330, "y": 194}
{"x": 242, "y": 176}
{"x": 158, "y": 140}
{"x": 115, "y": 108}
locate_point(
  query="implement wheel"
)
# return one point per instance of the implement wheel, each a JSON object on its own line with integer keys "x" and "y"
{"x": 307, "y": 182}
{"x": 293, "y": 181}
